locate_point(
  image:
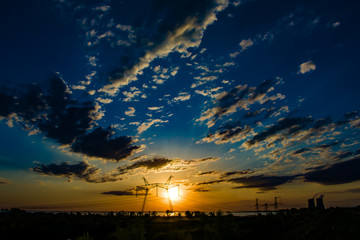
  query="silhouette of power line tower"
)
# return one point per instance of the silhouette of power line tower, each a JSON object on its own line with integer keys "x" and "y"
{"x": 266, "y": 207}
{"x": 276, "y": 204}
{"x": 148, "y": 186}
{"x": 257, "y": 205}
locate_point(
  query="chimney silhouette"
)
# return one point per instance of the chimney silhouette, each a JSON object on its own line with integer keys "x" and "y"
{"x": 320, "y": 203}
{"x": 311, "y": 203}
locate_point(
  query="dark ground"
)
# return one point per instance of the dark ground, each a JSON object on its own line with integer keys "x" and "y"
{"x": 335, "y": 223}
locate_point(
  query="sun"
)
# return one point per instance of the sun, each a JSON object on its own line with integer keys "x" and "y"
{"x": 174, "y": 193}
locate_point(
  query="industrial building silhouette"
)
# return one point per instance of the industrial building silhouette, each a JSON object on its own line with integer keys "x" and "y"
{"x": 319, "y": 202}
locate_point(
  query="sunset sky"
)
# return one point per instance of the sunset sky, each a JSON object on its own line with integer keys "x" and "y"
{"x": 237, "y": 100}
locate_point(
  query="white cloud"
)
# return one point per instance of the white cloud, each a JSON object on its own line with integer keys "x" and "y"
{"x": 203, "y": 80}
{"x": 234, "y": 54}
{"x": 104, "y": 100}
{"x": 103, "y": 8}
{"x": 88, "y": 78}
{"x": 211, "y": 92}
{"x": 78, "y": 87}
{"x": 336, "y": 24}
{"x": 146, "y": 125}
{"x": 155, "y": 108}
{"x": 92, "y": 61}
{"x": 183, "y": 96}
{"x": 245, "y": 43}
{"x": 228, "y": 64}
{"x": 91, "y": 92}
{"x": 106, "y": 34}
{"x": 174, "y": 71}
{"x": 236, "y": 3}
{"x": 307, "y": 67}
{"x": 126, "y": 28}
{"x": 187, "y": 35}
{"x": 130, "y": 112}
{"x": 130, "y": 95}
{"x": 203, "y": 50}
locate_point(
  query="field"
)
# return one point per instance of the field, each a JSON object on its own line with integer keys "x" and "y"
{"x": 335, "y": 223}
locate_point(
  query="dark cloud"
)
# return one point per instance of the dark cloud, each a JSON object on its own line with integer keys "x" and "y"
{"x": 353, "y": 190}
{"x": 350, "y": 190}
{"x": 119, "y": 193}
{"x": 209, "y": 182}
{"x": 338, "y": 173}
{"x": 300, "y": 151}
{"x": 206, "y": 173}
{"x": 200, "y": 160}
{"x": 3, "y": 181}
{"x": 285, "y": 127}
{"x": 52, "y": 111}
{"x": 200, "y": 189}
{"x": 99, "y": 144}
{"x": 351, "y": 114}
{"x": 81, "y": 170}
{"x": 230, "y": 132}
{"x": 321, "y": 147}
{"x": 261, "y": 182}
{"x": 7, "y": 103}
{"x": 243, "y": 96}
{"x": 254, "y": 113}
{"x": 240, "y": 172}
{"x": 343, "y": 155}
{"x": 327, "y": 145}
{"x": 158, "y": 163}
{"x": 155, "y": 163}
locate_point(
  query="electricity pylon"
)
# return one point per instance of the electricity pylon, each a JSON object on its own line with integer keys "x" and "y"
{"x": 276, "y": 203}
{"x": 257, "y": 205}
{"x": 148, "y": 186}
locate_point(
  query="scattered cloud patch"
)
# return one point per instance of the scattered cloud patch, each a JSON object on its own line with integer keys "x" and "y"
{"x": 155, "y": 108}
{"x": 245, "y": 43}
{"x": 130, "y": 112}
{"x": 178, "y": 34}
{"x": 241, "y": 97}
{"x": 146, "y": 125}
{"x": 104, "y": 100}
{"x": 183, "y": 96}
{"x": 307, "y": 67}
